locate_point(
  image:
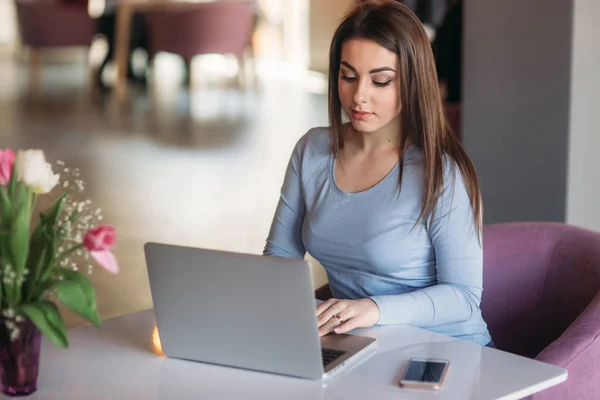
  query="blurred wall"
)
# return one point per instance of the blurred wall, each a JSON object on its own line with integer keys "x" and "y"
{"x": 531, "y": 119}
{"x": 516, "y": 104}
{"x": 324, "y": 19}
{"x": 583, "y": 200}
{"x": 8, "y": 27}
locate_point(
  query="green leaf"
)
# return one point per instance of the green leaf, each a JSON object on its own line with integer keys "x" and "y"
{"x": 53, "y": 213}
{"x": 46, "y": 316}
{"x": 77, "y": 293}
{"x": 42, "y": 248}
{"x": 5, "y": 208}
{"x": 13, "y": 181}
{"x": 37, "y": 244}
{"x": 19, "y": 240}
{"x": 39, "y": 288}
{"x": 35, "y": 264}
{"x": 73, "y": 215}
{"x": 22, "y": 196}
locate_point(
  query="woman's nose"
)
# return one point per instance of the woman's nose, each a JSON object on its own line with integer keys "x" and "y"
{"x": 360, "y": 92}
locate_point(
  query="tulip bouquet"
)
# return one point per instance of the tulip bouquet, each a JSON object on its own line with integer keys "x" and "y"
{"x": 42, "y": 263}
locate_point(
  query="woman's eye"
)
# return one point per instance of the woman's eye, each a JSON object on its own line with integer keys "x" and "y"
{"x": 348, "y": 78}
{"x": 381, "y": 84}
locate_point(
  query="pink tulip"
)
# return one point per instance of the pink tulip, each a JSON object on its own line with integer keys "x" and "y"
{"x": 100, "y": 238}
{"x": 7, "y": 161}
{"x": 106, "y": 260}
{"x": 99, "y": 242}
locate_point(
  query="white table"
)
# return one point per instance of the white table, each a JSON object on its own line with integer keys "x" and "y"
{"x": 123, "y": 361}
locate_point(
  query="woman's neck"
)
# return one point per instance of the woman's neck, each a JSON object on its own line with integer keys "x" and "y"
{"x": 385, "y": 139}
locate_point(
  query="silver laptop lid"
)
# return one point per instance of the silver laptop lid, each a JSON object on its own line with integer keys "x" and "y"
{"x": 240, "y": 310}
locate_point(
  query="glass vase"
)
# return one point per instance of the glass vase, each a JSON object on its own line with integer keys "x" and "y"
{"x": 19, "y": 356}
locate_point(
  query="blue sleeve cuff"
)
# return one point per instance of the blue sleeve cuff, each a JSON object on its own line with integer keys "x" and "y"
{"x": 396, "y": 309}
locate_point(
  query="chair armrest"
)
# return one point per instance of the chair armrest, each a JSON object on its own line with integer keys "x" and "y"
{"x": 578, "y": 351}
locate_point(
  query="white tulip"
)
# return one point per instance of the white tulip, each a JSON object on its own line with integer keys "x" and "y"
{"x": 35, "y": 172}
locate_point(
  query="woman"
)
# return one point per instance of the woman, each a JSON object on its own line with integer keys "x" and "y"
{"x": 389, "y": 203}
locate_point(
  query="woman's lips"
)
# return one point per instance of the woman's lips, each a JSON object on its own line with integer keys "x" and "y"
{"x": 361, "y": 115}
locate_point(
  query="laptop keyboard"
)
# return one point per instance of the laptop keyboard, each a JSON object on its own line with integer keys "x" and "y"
{"x": 330, "y": 354}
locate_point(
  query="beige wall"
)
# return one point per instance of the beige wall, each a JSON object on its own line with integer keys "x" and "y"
{"x": 8, "y": 26}
{"x": 325, "y": 16}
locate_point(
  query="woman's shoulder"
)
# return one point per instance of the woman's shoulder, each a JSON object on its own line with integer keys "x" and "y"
{"x": 315, "y": 143}
{"x": 415, "y": 157}
{"x": 414, "y": 166}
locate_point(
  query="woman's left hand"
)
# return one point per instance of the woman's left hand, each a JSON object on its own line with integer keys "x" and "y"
{"x": 342, "y": 316}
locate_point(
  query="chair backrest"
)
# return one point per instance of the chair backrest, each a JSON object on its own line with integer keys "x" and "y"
{"x": 538, "y": 278}
{"x": 53, "y": 23}
{"x": 210, "y": 28}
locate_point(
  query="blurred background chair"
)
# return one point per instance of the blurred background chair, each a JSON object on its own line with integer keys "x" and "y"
{"x": 211, "y": 28}
{"x": 541, "y": 299}
{"x": 49, "y": 24}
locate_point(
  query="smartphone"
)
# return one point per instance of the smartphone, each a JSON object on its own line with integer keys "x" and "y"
{"x": 424, "y": 373}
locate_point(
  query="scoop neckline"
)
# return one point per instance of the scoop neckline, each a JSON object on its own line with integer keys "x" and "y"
{"x": 338, "y": 190}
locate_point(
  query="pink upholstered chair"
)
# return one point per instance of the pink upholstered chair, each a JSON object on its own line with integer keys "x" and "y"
{"x": 50, "y": 24}
{"x": 210, "y": 28}
{"x": 541, "y": 299}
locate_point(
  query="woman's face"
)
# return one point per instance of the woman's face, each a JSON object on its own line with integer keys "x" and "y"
{"x": 369, "y": 85}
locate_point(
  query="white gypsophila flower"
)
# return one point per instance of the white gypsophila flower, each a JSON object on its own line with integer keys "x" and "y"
{"x": 15, "y": 334}
{"x": 8, "y": 313}
{"x": 79, "y": 216}
{"x": 35, "y": 172}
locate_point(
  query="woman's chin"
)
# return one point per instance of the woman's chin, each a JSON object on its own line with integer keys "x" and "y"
{"x": 364, "y": 126}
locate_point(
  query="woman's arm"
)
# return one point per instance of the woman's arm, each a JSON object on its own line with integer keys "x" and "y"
{"x": 459, "y": 265}
{"x": 285, "y": 236}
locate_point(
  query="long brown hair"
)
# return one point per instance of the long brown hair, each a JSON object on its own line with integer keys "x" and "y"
{"x": 424, "y": 124}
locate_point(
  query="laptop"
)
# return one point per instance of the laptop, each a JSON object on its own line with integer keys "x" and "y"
{"x": 245, "y": 311}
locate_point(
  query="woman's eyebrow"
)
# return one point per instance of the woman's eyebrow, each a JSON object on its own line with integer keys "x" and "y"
{"x": 373, "y": 71}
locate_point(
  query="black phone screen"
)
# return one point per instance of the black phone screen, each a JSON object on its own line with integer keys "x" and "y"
{"x": 425, "y": 371}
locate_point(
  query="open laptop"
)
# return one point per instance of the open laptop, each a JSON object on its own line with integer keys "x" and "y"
{"x": 245, "y": 311}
